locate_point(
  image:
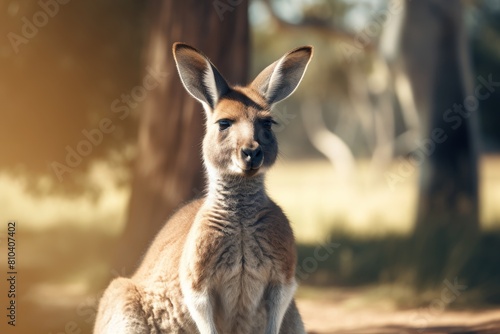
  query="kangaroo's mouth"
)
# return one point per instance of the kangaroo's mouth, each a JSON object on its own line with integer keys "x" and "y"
{"x": 247, "y": 168}
{"x": 251, "y": 172}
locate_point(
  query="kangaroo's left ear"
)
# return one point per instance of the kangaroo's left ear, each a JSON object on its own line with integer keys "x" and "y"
{"x": 199, "y": 76}
{"x": 280, "y": 79}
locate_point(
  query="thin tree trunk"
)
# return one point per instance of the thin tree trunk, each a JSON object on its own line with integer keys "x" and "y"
{"x": 434, "y": 50}
{"x": 168, "y": 169}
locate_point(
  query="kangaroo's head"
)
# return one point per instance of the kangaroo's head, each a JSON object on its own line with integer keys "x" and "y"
{"x": 239, "y": 139}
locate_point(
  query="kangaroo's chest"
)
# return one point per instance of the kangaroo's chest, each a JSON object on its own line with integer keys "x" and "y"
{"x": 242, "y": 274}
{"x": 244, "y": 251}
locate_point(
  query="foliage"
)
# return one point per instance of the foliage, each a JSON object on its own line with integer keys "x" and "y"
{"x": 63, "y": 81}
{"x": 389, "y": 260}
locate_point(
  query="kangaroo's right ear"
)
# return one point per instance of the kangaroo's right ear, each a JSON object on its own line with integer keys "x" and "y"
{"x": 280, "y": 79}
{"x": 199, "y": 76}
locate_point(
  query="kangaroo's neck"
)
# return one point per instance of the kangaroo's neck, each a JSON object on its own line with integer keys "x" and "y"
{"x": 237, "y": 197}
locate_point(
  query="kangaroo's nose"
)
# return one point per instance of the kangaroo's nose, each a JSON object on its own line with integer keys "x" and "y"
{"x": 252, "y": 156}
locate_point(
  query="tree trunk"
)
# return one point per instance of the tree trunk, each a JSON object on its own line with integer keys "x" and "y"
{"x": 435, "y": 55}
{"x": 168, "y": 169}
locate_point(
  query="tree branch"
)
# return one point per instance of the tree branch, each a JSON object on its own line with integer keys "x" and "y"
{"x": 318, "y": 25}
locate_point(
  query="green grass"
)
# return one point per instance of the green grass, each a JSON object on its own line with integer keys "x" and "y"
{"x": 317, "y": 201}
{"x": 313, "y": 197}
{"x": 389, "y": 264}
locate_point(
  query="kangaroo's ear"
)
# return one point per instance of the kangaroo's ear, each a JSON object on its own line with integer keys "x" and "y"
{"x": 198, "y": 75}
{"x": 280, "y": 79}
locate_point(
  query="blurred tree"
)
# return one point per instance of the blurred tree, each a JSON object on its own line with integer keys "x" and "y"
{"x": 436, "y": 58}
{"x": 168, "y": 169}
{"x": 61, "y": 82}
{"x": 485, "y": 33}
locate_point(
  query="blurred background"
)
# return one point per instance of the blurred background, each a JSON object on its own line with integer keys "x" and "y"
{"x": 389, "y": 163}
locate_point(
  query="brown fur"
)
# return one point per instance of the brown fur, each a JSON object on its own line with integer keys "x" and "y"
{"x": 224, "y": 263}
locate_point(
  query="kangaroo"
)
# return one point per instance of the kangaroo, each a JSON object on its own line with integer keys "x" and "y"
{"x": 225, "y": 263}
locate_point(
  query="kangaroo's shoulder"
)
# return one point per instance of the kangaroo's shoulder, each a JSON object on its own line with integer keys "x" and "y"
{"x": 279, "y": 233}
{"x": 180, "y": 221}
{"x": 166, "y": 248}
{"x": 277, "y": 215}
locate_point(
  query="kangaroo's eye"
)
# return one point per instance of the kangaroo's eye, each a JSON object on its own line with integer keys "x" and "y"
{"x": 224, "y": 124}
{"x": 268, "y": 123}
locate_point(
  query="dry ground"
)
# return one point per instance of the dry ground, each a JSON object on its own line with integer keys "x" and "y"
{"x": 339, "y": 312}
{"x": 323, "y": 316}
